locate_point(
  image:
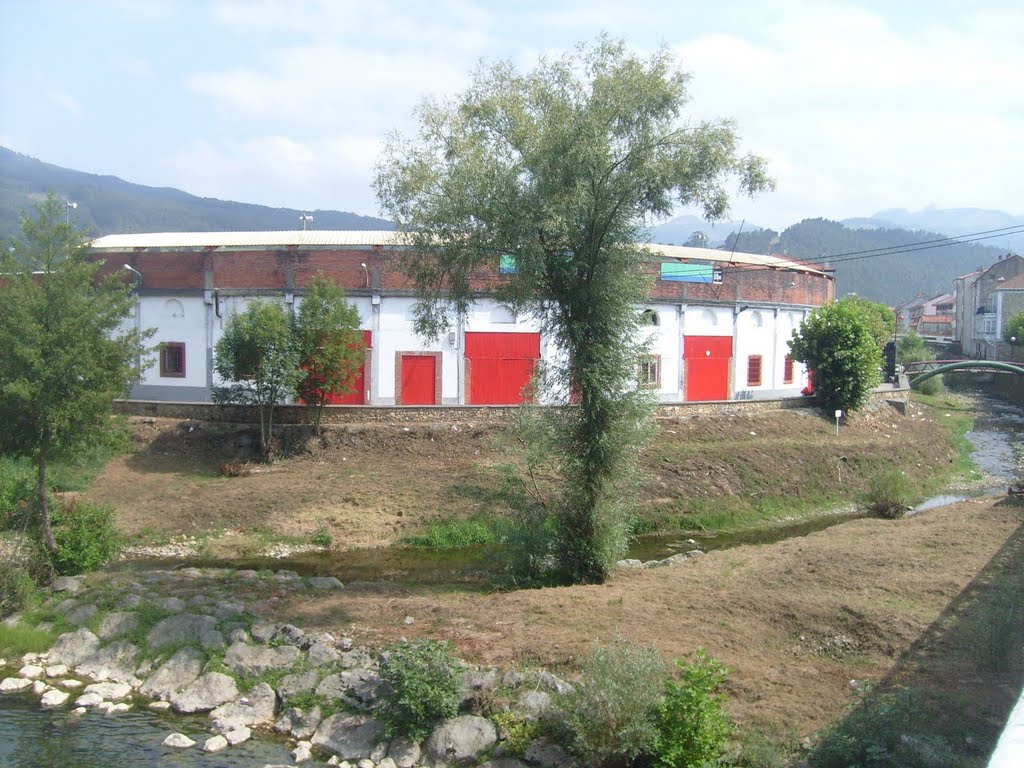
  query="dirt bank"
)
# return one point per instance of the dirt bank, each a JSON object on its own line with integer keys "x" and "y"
{"x": 796, "y": 621}
{"x": 368, "y": 485}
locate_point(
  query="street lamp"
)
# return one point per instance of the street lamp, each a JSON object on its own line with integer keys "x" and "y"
{"x": 305, "y": 218}
{"x": 67, "y": 208}
{"x": 1013, "y": 349}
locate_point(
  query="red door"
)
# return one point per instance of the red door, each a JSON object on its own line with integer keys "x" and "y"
{"x": 707, "y": 366}
{"x": 500, "y": 366}
{"x": 358, "y": 394}
{"x": 419, "y": 380}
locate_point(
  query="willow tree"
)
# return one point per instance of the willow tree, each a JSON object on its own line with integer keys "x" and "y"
{"x": 552, "y": 174}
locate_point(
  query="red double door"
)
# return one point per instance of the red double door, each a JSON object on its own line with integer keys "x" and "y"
{"x": 499, "y": 366}
{"x": 707, "y": 360}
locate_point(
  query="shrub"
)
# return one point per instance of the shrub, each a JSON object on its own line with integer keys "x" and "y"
{"x": 889, "y": 493}
{"x": 455, "y": 533}
{"x": 516, "y": 732}
{"x": 423, "y": 682}
{"x": 886, "y": 731}
{"x": 86, "y": 536}
{"x": 524, "y": 555}
{"x": 18, "y": 590}
{"x": 692, "y": 726}
{"x": 611, "y": 715}
{"x": 17, "y": 491}
{"x": 235, "y": 469}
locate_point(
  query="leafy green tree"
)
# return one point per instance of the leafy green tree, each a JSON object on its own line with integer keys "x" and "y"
{"x": 329, "y": 346}
{"x": 259, "y": 362}
{"x": 697, "y": 240}
{"x": 910, "y": 348}
{"x": 836, "y": 344}
{"x": 1013, "y": 332}
{"x": 881, "y": 319}
{"x": 66, "y": 353}
{"x": 559, "y": 169}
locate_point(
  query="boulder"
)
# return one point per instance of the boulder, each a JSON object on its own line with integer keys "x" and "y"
{"x": 298, "y": 723}
{"x": 533, "y": 704}
{"x": 182, "y": 629}
{"x": 358, "y": 687}
{"x": 357, "y": 658}
{"x": 215, "y": 744}
{"x": 405, "y": 752}
{"x": 299, "y": 682}
{"x": 31, "y": 671}
{"x": 351, "y": 737}
{"x": 66, "y": 584}
{"x": 89, "y": 700}
{"x": 237, "y": 735}
{"x": 110, "y": 691}
{"x": 254, "y": 708}
{"x": 552, "y": 683}
{"x": 205, "y": 693}
{"x": 177, "y": 672}
{"x": 170, "y": 604}
{"x": 461, "y": 739}
{"x": 255, "y": 660}
{"x": 545, "y": 754}
{"x": 56, "y": 670}
{"x": 14, "y": 684}
{"x": 74, "y": 647}
{"x": 179, "y": 741}
{"x": 324, "y": 582}
{"x": 303, "y": 751}
{"x": 263, "y": 632}
{"x": 320, "y": 655}
{"x": 114, "y": 662}
{"x": 117, "y": 623}
{"x": 81, "y": 614}
{"x": 54, "y": 698}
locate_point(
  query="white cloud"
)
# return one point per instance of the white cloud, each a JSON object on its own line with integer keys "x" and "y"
{"x": 66, "y": 102}
{"x": 134, "y": 66}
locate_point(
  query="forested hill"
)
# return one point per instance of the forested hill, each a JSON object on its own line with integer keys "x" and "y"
{"x": 107, "y": 204}
{"x": 889, "y": 278}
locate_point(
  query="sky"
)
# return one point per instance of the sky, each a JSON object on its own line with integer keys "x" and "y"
{"x": 857, "y": 106}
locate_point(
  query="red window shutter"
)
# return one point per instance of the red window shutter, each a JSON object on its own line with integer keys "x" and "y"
{"x": 754, "y": 371}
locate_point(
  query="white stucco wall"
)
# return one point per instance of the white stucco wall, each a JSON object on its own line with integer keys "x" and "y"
{"x": 175, "y": 319}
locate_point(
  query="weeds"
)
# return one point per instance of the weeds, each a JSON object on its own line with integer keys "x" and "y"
{"x": 23, "y": 638}
{"x": 889, "y": 493}
{"x": 423, "y": 680}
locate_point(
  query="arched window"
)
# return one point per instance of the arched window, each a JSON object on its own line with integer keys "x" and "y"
{"x": 709, "y": 317}
{"x": 757, "y": 319}
{"x": 173, "y": 308}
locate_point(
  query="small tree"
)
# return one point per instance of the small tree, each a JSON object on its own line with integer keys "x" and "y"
{"x": 329, "y": 346}
{"x": 880, "y": 319}
{"x": 559, "y": 170}
{"x": 65, "y": 354}
{"x": 257, "y": 359}
{"x": 1013, "y": 332}
{"x": 836, "y": 343}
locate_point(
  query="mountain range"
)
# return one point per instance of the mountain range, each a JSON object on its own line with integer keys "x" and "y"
{"x": 874, "y": 256}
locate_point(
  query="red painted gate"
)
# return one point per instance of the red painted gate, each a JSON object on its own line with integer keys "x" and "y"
{"x": 707, "y": 366}
{"x": 499, "y": 366}
{"x": 359, "y": 386}
{"x": 419, "y": 379}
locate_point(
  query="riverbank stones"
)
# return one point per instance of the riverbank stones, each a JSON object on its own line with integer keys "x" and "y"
{"x": 205, "y": 693}
{"x": 178, "y": 672}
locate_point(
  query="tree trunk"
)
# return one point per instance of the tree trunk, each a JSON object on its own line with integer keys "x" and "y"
{"x": 44, "y": 504}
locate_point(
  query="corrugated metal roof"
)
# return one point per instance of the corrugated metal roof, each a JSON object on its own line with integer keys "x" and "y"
{"x": 328, "y": 238}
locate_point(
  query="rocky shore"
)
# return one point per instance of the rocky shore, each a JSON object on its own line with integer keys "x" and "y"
{"x": 189, "y": 641}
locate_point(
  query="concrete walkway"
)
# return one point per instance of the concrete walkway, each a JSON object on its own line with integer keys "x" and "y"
{"x": 1009, "y": 752}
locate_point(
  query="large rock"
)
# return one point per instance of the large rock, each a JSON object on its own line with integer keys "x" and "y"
{"x": 74, "y": 647}
{"x": 255, "y": 660}
{"x": 206, "y": 693}
{"x": 54, "y": 698}
{"x": 66, "y": 584}
{"x": 298, "y": 723}
{"x": 117, "y": 623}
{"x": 177, "y": 672}
{"x": 254, "y": 708}
{"x": 320, "y": 655}
{"x": 14, "y": 684}
{"x": 182, "y": 629}
{"x": 114, "y": 662}
{"x": 351, "y": 737}
{"x": 405, "y": 752}
{"x": 179, "y": 741}
{"x": 358, "y": 687}
{"x": 110, "y": 691}
{"x": 461, "y": 739}
{"x": 81, "y": 614}
{"x": 299, "y": 682}
{"x": 533, "y": 704}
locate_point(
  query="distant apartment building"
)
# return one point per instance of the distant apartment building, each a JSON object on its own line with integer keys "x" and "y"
{"x": 981, "y": 304}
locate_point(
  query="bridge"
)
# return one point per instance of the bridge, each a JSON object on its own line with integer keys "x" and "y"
{"x": 925, "y": 369}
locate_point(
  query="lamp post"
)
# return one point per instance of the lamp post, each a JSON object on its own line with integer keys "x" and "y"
{"x": 1013, "y": 349}
{"x": 68, "y": 205}
{"x": 137, "y": 280}
{"x": 305, "y": 219}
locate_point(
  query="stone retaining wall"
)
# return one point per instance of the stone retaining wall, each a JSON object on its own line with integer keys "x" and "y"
{"x": 357, "y": 414}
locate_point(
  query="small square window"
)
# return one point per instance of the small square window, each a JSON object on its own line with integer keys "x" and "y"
{"x": 754, "y": 371}
{"x": 648, "y": 373}
{"x": 787, "y": 370}
{"x": 172, "y": 359}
